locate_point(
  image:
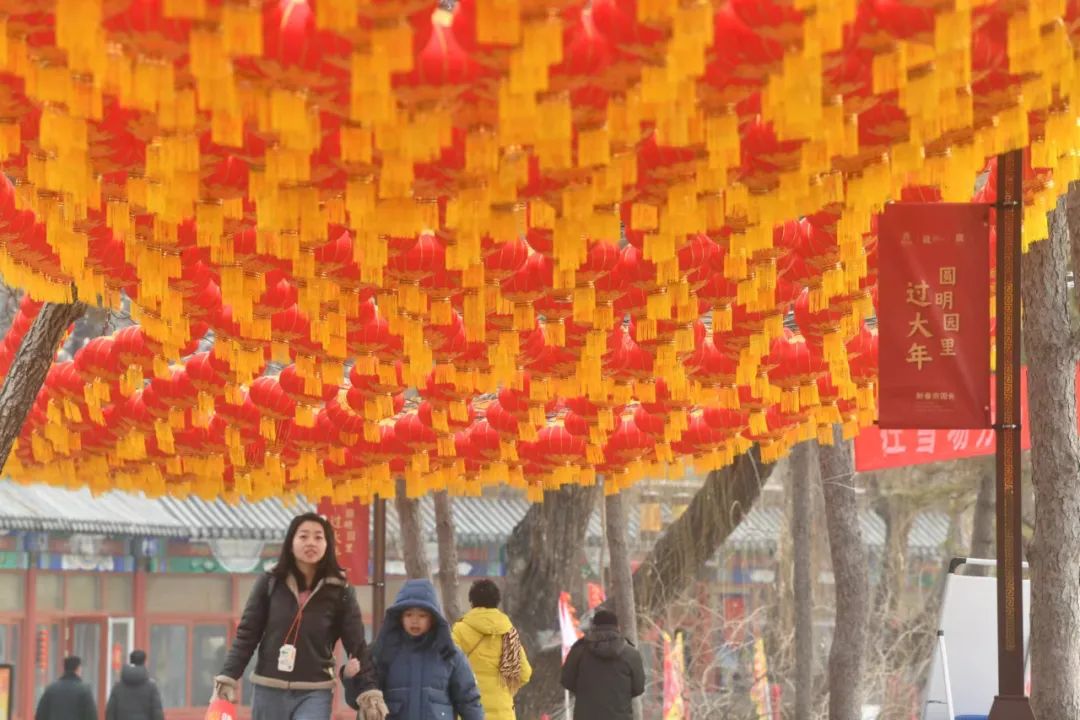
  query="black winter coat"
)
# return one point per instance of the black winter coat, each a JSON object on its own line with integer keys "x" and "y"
{"x": 135, "y": 697}
{"x": 605, "y": 672}
{"x": 331, "y": 614}
{"x": 69, "y": 698}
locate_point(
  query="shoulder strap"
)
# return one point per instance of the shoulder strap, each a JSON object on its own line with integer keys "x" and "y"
{"x": 271, "y": 584}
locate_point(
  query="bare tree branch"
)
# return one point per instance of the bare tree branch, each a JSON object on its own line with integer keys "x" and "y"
{"x": 684, "y": 548}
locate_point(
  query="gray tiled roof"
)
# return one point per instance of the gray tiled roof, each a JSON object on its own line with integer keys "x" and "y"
{"x": 48, "y": 508}
{"x": 477, "y": 521}
{"x": 485, "y": 520}
{"x": 263, "y": 520}
{"x": 765, "y": 525}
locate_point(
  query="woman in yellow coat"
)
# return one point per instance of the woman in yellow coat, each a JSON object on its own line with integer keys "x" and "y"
{"x": 494, "y": 650}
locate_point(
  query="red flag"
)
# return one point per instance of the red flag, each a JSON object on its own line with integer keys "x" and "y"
{"x": 568, "y": 624}
{"x": 596, "y": 595}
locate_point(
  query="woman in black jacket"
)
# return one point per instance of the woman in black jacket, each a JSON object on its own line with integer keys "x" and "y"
{"x": 295, "y": 615}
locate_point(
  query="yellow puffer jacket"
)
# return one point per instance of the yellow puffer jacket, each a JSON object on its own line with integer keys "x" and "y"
{"x": 479, "y": 635}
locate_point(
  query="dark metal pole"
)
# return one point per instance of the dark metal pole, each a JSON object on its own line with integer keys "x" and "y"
{"x": 378, "y": 577}
{"x": 1011, "y": 703}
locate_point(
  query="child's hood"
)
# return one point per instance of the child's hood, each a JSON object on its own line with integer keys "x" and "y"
{"x": 414, "y": 594}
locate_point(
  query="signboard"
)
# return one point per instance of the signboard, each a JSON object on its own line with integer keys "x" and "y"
{"x": 934, "y": 322}
{"x": 350, "y": 522}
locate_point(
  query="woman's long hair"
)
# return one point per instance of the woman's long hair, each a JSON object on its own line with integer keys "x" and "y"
{"x": 286, "y": 564}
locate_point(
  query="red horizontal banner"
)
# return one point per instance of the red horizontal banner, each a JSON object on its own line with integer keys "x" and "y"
{"x": 879, "y": 449}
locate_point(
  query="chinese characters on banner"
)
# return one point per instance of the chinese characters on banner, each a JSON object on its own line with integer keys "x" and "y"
{"x": 350, "y": 522}
{"x": 879, "y": 449}
{"x": 934, "y": 318}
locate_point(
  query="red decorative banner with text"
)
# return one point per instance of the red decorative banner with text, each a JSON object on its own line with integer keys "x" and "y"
{"x": 350, "y": 523}
{"x": 878, "y": 449}
{"x": 934, "y": 318}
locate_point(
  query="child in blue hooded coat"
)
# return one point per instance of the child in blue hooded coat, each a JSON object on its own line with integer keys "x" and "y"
{"x": 422, "y": 673}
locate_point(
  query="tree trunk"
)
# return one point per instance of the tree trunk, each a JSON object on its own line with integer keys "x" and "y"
{"x": 541, "y": 550}
{"x": 412, "y": 534}
{"x": 983, "y": 537}
{"x": 684, "y": 548}
{"x": 850, "y": 573}
{"x": 621, "y": 576}
{"x": 448, "y": 560}
{"x": 803, "y": 468}
{"x": 540, "y": 557}
{"x": 897, "y": 511}
{"x": 29, "y": 367}
{"x": 1055, "y": 456}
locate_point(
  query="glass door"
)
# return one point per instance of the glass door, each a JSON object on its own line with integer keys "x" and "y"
{"x": 86, "y": 638}
{"x": 121, "y": 642}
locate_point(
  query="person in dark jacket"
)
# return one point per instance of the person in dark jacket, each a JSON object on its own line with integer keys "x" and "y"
{"x": 69, "y": 698}
{"x": 422, "y": 673}
{"x": 294, "y": 616}
{"x": 136, "y": 696}
{"x": 604, "y": 671}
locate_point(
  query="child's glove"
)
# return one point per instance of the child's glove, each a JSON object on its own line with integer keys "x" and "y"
{"x": 224, "y": 688}
{"x": 372, "y": 706}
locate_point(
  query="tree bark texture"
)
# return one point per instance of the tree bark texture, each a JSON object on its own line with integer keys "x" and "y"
{"x": 1055, "y": 455}
{"x": 983, "y": 537}
{"x": 29, "y": 368}
{"x": 851, "y": 580}
{"x": 622, "y": 578}
{"x": 448, "y": 559}
{"x": 412, "y": 534}
{"x": 898, "y": 512}
{"x": 803, "y": 470}
{"x": 540, "y": 563}
{"x": 682, "y": 551}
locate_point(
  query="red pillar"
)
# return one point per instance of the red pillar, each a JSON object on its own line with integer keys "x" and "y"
{"x": 28, "y": 643}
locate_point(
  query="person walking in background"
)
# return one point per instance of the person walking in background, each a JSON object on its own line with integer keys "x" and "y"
{"x": 69, "y": 698}
{"x": 136, "y": 696}
{"x": 294, "y": 616}
{"x": 604, "y": 671}
{"x": 494, "y": 651}
{"x": 422, "y": 674}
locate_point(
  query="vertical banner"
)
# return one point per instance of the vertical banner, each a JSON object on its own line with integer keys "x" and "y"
{"x": 759, "y": 691}
{"x": 7, "y": 688}
{"x": 350, "y": 522}
{"x": 674, "y": 678}
{"x": 934, "y": 318}
{"x": 568, "y": 624}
